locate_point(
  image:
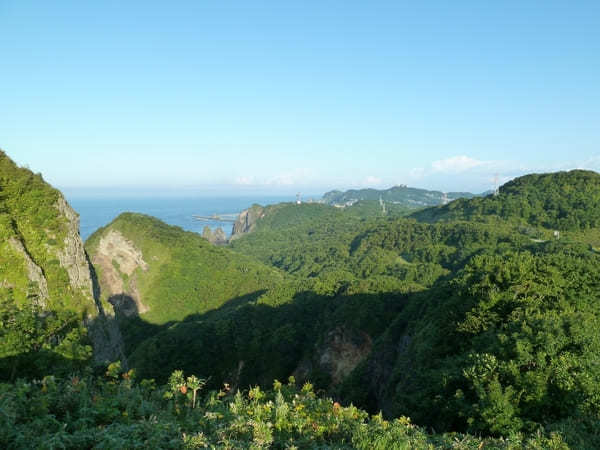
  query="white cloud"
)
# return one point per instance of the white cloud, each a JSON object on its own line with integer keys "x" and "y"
{"x": 245, "y": 181}
{"x": 290, "y": 178}
{"x": 455, "y": 164}
{"x": 417, "y": 173}
{"x": 592, "y": 163}
{"x": 372, "y": 180}
{"x": 284, "y": 179}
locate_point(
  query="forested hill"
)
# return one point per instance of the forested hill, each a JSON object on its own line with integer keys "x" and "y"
{"x": 286, "y": 216}
{"x": 400, "y": 195}
{"x": 560, "y": 201}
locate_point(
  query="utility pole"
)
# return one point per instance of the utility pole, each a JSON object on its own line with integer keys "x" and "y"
{"x": 496, "y": 188}
{"x": 382, "y": 203}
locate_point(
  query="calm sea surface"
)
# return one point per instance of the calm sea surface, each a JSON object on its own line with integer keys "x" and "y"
{"x": 96, "y": 212}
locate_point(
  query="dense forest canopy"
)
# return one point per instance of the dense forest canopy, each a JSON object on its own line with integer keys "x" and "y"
{"x": 566, "y": 201}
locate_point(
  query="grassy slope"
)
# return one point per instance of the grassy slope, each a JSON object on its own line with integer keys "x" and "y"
{"x": 186, "y": 274}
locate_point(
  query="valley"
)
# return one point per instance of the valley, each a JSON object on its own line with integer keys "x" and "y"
{"x": 473, "y": 318}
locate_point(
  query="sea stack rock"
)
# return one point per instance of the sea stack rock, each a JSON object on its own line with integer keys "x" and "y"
{"x": 217, "y": 237}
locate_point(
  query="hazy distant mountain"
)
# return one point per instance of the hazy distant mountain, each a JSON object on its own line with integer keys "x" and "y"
{"x": 401, "y": 195}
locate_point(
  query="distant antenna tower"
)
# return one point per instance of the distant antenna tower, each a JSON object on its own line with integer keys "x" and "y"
{"x": 496, "y": 188}
{"x": 298, "y": 199}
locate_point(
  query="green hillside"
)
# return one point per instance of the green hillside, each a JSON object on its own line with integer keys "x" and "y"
{"x": 565, "y": 201}
{"x": 308, "y": 239}
{"x": 42, "y": 303}
{"x": 509, "y": 342}
{"x": 491, "y": 293}
{"x": 178, "y": 273}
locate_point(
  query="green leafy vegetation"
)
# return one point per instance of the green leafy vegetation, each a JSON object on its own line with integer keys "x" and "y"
{"x": 32, "y": 233}
{"x": 114, "y": 411}
{"x": 33, "y": 340}
{"x": 510, "y": 343}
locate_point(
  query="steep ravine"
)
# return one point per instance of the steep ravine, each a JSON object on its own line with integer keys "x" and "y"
{"x": 103, "y": 329}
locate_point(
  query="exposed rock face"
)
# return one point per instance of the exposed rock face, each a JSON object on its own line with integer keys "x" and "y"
{"x": 34, "y": 272}
{"x": 342, "y": 351}
{"x": 339, "y": 354}
{"x": 72, "y": 257}
{"x": 246, "y": 221}
{"x": 117, "y": 257}
{"x": 103, "y": 330}
{"x": 122, "y": 251}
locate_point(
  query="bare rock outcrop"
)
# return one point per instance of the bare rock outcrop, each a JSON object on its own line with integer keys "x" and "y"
{"x": 340, "y": 352}
{"x": 246, "y": 221}
{"x": 72, "y": 256}
{"x": 103, "y": 329}
{"x": 217, "y": 237}
{"x": 34, "y": 272}
{"x": 118, "y": 259}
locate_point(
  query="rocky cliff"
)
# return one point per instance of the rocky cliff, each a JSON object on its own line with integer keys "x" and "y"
{"x": 246, "y": 221}
{"x": 42, "y": 259}
{"x": 341, "y": 350}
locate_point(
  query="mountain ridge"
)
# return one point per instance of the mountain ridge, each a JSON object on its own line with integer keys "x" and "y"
{"x": 403, "y": 195}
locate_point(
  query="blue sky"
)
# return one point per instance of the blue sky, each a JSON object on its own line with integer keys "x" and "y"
{"x": 280, "y": 96}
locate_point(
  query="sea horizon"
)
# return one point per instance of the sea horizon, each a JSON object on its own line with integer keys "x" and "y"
{"x": 96, "y": 211}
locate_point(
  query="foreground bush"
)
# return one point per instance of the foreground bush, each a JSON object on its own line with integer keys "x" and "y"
{"x": 116, "y": 412}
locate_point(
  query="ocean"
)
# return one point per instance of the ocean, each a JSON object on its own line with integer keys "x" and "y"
{"x": 96, "y": 211}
